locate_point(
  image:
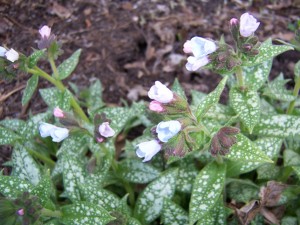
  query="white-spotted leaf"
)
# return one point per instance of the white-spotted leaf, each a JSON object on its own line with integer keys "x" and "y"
{"x": 247, "y": 105}
{"x": 297, "y": 69}
{"x": 11, "y": 186}
{"x": 150, "y": 202}
{"x": 291, "y": 158}
{"x": 94, "y": 96}
{"x": 35, "y": 57}
{"x": 176, "y": 87}
{"x": 186, "y": 175}
{"x": 136, "y": 171}
{"x": 297, "y": 170}
{"x": 207, "y": 190}
{"x": 13, "y": 124}
{"x": 7, "y": 136}
{"x": 173, "y": 214}
{"x": 30, "y": 88}
{"x": 85, "y": 213}
{"x": 68, "y": 66}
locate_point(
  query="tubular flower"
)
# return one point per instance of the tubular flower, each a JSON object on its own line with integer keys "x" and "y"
{"x": 167, "y": 130}
{"x": 45, "y": 31}
{"x": 57, "y": 112}
{"x": 160, "y": 93}
{"x": 248, "y": 25}
{"x": 148, "y": 149}
{"x": 57, "y": 133}
{"x": 200, "y": 48}
{"x": 105, "y": 130}
{"x": 12, "y": 55}
{"x": 156, "y": 106}
{"x": 2, "y": 51}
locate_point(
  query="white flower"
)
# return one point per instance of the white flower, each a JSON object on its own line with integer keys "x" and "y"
{"x": 160, "y": 93}
{"x": 45, "y": 32}
{"x": 2, "y": 51}
{"x": 105, "y": 130}
{"x": 200, "y": 48}
{"x": 167, "y": 130}
{"x": 57, "y": 133}
{"x": 148, "y": 149}
{"x": 12, "y": 55}
{"x": 248, "y": 25}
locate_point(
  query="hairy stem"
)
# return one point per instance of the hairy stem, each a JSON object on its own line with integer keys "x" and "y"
{"x": 239, "y": 76}
{"x": 50, "y": 213}
{"x": 295, "y": 93}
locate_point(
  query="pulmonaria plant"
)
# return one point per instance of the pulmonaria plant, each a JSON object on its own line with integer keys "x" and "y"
{"x": 207, "y": 162}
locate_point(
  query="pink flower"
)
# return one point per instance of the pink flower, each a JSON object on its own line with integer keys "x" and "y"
{"x": 248, "y": 25}
{"x": 105, "y": 130}
{"x": 21, "y": 212}
{"x": 234, "y": 21}
{"x": 57, "y": 112}
{"x": 12, "y": 55}
{"x": 45, "y": 32}
{"x": 160, "y": 93}
{"x": 156, "y": 106}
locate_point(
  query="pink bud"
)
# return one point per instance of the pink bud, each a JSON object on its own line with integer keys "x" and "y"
{"x": 156, "y": 106}
{"x": 188, "y": 47}
{"x": 20, "y": 212}
{"x": 100, "y": 139}
{"x": 57, "y": 112}
{"x": 45, "y": 32}
{"x": 234, "y": 21}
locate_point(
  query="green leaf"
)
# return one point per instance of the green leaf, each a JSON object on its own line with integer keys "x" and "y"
{"x": 7, "y": 136}
{"x": 136, "y": 171}
{"x": 13, "y": 124}
{"x": 242, "y": 190}
{"x": 270, "y": 146}
{"x": 216, "y": 216}
{"x": 73, "y": 177}
{"x": 197, "y": 97}
{"x": 24, "y": 166}
{"x": 30, "y": 88}
{"x": 297, "y": 69}
{"x": 150, "y": 202}
{"x": 11, "y": 186}
{"x": 68, "y": 66}
{"x": 176, "y": 87}
{"x": 268, "y": 172}
{"x": 85, "y": 213}
{"x": 276, "y": 90}
{"x": 256, "y": 76}
{"x": 281, "y": 126}
{"x": 211, "y": 99}
{"x": 247, "y": 105}
{"x": 94, "y": 98}
{"x": 35, "y": 57}
{"x": 51, "y": 96}
{"x": 173, "y": 214}
{"x": 186, "y": 175}
{"x": 74, "y": 145}
{"x": 207, "y": 190}
{"x": 291, "y": 158}
{"x": 297, "y": 170}
{"x": 246, "y": 151}
{"x": 266, "y": 52}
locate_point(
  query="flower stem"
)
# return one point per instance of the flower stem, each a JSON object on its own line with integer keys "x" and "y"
{"x": 53, "y": 67}
{"x": 295, "y": 93}
{"x": 239, "y": 76}
{"x": 37, "y": 71}
{"x": 50, "y": 213}
{"x": 43, "y": 158}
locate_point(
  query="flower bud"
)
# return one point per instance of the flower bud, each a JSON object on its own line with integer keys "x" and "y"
{"x": 156, "y": 106}
{"x": 45, "y": 31}
{"x": 234, "y": 22}
{"x": 57, "y": 112}
{"x": 20, "y": 212}
{"x": 105, "y": 130}
{"x": 248, "y": 25}
{"x": 160, "y": 93}
{"x": 12, "y": 55}
{"x": 167, "y": 130}
{"x": 148, "y": 149}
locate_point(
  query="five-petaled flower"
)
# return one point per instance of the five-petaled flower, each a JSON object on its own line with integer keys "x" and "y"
{"x": 105, "y": 130}
{"x": 167, "y": 129}
{"x": 57, "y": 133}
{"x": 160, "y": 93}
{"x": 148, "y": 149}
{"x": 248, "y": 25}
{"x": 200, "y": 48}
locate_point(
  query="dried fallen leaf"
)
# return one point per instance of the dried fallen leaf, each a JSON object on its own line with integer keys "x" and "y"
{"x": 270, "y": 194}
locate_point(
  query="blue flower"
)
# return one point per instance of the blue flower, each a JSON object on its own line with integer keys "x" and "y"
{"x": 167, "y": 130}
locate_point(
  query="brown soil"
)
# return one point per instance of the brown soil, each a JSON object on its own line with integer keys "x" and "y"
{"x": 130, "y": 44}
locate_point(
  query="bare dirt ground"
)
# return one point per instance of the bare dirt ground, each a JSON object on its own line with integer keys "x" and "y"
{"x": 130, "y": 44}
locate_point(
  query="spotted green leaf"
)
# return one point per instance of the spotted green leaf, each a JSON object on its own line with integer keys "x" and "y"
{"x": 266, "y": 52}
{"x": 94, "y": 96}
{"x": 268, "y": 172}
{"x": 176, "y": 87}
{"x": 74, "y": 145}
{"x": 85, "y": 213}
{"x": 150, "y": 202}
{"x": 247, "y": 105}
{"x": 30, "y": 88}
{"x": 211, "y": 99}
{"x": 256, "y": 76}
{"x": 270, "y": 146}
{"x": 241, "y": 190}
{"x": 297, "y": 170}
{"x": 7, "y": 136}
{"x": 13, "y": 124}
{"x": 173, "y": 214}
{"x": 207, "y": 190}
{"x": 276, "y": 90}
{"x": 11, "y": 186}
{"x": 291, "y": 158}
{"x": 246, "y": 151}
{"x": 216, "y": 216}
{"x": 35, "y": 57}
{"x": 297, "y": 69}
{"x": 55, "y": 98}
{"x": 68, "y": 66}
{"x": 24, "y": 166}
{"x": 136, "y": 171}
{"x": 186, "y": 175}
{"x": 281, "y": 126}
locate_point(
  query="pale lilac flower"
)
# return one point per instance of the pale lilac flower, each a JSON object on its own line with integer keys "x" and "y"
{"x": 2, "y": 51}
{"x": 21, "y": 212}
{"x": 148, "y": 149}
{"x": 234, "y": 21}
{"x": 168, "y": 129}
{"x": 156, "y": 106}
{"x": 45, "y": 31}
{"x": 57, "y": 112}
{"x": 248, "y": 25}
{"x": 12, "y": 55}
{"x": 57, "y": 133}
{"x": 200, "y": 48}
{"x": 105, "y": 130}
{"x": 160, "y": 93}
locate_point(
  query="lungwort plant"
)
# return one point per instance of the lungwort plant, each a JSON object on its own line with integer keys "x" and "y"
{"x": 197, "y": 162}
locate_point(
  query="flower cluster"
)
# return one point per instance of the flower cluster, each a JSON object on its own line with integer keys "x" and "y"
{"x": 46, "y": 37}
